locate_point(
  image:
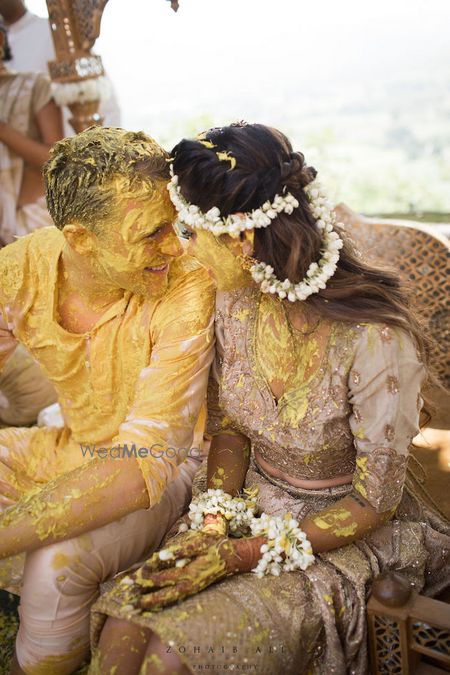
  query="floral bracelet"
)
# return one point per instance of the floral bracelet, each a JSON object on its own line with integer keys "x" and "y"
{"x": 238, "y": 511}
{"x": 284, "y": 536}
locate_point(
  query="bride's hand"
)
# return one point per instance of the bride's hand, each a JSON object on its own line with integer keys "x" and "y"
{"x": 183, "y": 546}
{"x": 192, "y": 565}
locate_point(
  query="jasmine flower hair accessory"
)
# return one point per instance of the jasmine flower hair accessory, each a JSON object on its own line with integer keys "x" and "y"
{"x": 318, "y": 272}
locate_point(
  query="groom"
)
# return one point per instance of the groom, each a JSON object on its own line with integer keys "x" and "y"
{"x": 121, "y": 323}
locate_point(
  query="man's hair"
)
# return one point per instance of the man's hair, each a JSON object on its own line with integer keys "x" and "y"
{"x": 80, "y": 173}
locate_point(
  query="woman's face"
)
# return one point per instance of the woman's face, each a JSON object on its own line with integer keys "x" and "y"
{"x": 220, "y": 256}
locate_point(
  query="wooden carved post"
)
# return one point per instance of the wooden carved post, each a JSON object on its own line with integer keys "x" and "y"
{"x": 78, "y": 74}
{"x": 387, "y": 614}
{"x": 405, "y": 626}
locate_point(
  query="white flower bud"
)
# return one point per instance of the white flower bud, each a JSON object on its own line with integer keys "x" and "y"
{"x": 165, "y": 554}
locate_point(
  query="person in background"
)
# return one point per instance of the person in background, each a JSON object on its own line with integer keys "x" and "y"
{"x": 30, "y": 122}
{"x": 32, "y": 48}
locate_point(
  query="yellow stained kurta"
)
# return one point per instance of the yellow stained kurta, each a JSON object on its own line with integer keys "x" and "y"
{"x": 137, "y": 377}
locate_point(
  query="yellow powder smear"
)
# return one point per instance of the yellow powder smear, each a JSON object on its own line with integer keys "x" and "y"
{"x": 222, "y": 263}
{"x": 154, "y": 662}
{"x": 347, "y": 531}
{"x": 60, "y": 560}
{"x": 332, "y": 518}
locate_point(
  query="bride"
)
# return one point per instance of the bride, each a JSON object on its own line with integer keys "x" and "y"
{"x": 319, "y": 368}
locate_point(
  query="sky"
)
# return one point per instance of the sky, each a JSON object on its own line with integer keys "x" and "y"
{"x": 349, "y": 81}
{"x": 237, "y": 55}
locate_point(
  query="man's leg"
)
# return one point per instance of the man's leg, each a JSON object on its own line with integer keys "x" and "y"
{"x": 61, "y": 581}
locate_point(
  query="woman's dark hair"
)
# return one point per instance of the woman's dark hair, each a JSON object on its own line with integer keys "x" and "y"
{"x": 260, "y": 163}
{"x": 7, "y": 56}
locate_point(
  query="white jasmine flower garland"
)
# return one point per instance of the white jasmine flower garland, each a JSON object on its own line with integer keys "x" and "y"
{"x": 317, "y": 274}
{"x": 284, "y": 536}
{"x": 238, "y": 511}
{"x": 190, "y": 215}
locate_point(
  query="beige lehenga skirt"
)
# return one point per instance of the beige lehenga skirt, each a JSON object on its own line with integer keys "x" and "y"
{"x": 300, "y": 622}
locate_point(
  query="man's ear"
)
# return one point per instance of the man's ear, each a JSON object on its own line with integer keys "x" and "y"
{"x": 79, "y": 238}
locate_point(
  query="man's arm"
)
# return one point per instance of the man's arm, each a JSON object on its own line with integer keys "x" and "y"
{"x": 169, "y": 395}
{"x": 8, "y": 342}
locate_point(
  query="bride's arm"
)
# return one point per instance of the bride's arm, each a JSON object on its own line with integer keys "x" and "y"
{"x": 384, "y": 392}
{"x": 229, "y": 453}
{"x": 228, "y": 461}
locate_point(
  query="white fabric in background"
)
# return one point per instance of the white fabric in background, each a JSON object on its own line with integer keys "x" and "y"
{"x": 32, "y": 48}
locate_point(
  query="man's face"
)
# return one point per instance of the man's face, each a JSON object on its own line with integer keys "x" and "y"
{"x": 135, "y": 246}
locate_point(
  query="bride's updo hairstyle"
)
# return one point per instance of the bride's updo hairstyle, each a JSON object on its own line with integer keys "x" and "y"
{"x": 241, "y": 166}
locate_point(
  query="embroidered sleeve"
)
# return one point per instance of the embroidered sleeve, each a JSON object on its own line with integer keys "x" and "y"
{"x": 218, "y": 422}
{"x": 384, "y": 390}
{"x": 42, "y": 92}
{"x": 215, "y": 413}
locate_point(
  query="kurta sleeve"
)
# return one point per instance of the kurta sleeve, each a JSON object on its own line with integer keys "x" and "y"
{"x": 171, "y": 390}
{"x": 384, "y": 392}
{"x": 8, "y": 342}
{"x": 12, "y": 266}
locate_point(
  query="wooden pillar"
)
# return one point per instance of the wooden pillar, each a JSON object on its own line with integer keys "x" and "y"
{"x": 78, "y": 74}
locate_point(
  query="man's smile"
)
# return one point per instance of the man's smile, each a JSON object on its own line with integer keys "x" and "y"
{"x": 158, "y": 268}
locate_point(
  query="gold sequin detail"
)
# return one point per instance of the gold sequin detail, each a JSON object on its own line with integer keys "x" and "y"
{"x": 357, "y": 414}
{"x": 393, "y": 385}
{"x": 379, "y": 477}
{"x": 356, "y": 377}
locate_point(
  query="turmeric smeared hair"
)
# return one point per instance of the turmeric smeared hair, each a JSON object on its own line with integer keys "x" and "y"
{"x": 81, "y": 170}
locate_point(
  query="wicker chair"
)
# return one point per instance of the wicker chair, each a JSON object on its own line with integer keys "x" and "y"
{"x": 422, "y": 256}
{"x": 403, "y": 626}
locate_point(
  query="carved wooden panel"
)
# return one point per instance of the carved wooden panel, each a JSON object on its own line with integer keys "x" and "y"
{"x": 387, "y": 645}
{"x": 422, "y": 259}
{"x": 433, "y": 639}
{"x": 75, "y": 27}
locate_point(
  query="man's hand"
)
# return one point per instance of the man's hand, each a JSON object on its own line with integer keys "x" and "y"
{"x": 194, "y": 562}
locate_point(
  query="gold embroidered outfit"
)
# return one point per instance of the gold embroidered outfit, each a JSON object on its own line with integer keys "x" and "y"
{"x": 350, "y": 404}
